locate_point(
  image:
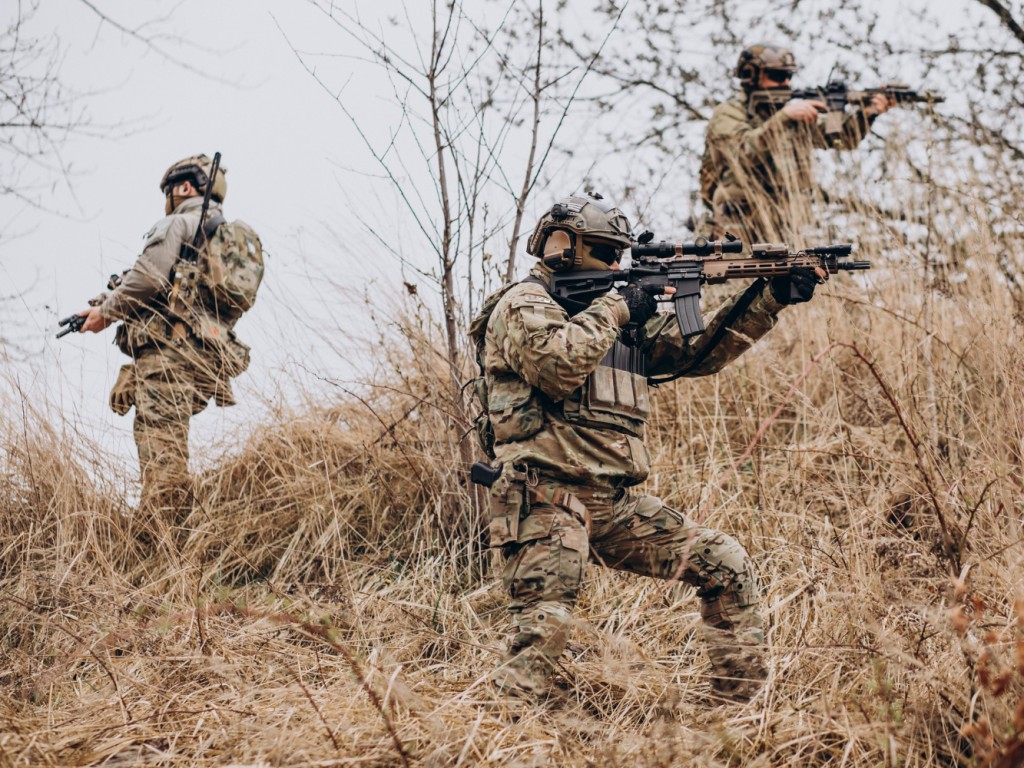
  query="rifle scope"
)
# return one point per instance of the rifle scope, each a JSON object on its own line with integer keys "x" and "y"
{"x": 699, "y": 247}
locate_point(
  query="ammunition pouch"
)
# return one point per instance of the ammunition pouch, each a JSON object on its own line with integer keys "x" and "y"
{"x": 231, "y": 356}
{"x": 139, "y": 333}
{"x": 611, "y": 398}
{"x": 514, "y": 412}
{"x": 509, "y": 505}
{"x": 235, "y": 357}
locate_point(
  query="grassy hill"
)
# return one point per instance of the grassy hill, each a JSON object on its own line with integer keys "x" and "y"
{"x": 316, "y": 608}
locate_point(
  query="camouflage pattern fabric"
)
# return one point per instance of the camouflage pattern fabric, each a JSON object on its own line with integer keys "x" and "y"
{"x": 567, "y": 457}
{"x": 171, "y": 386}
{"x": 142, "y": 287}
{"x": 537, "y": 360}
{"x": 641, "y": 535}
{"x": 757, "y": 169}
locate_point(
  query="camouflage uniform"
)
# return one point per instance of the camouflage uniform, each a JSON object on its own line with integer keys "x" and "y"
{"x": 568, "y": 402}
{"x": 169, "y": 381}
{"x": 756, "y": 174}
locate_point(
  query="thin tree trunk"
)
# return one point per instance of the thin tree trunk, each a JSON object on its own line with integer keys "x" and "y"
{"x": 528, "y": 176}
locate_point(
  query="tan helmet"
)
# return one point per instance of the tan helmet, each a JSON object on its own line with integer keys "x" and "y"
{"x": 197, "y": 170}
{"x": 756, "y": 58}
{"x": 581, "y": 216}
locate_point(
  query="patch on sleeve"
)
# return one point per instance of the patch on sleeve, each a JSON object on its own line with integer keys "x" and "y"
{"x": 158, "y": 232}
{"x": 531, "y": 296}
{"x": 539, "y": 312}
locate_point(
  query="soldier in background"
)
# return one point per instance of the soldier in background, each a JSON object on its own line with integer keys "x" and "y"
{"x": 756, "y": 175}
{"x": 180, "y": 360}
{"x": 566, "y": 403}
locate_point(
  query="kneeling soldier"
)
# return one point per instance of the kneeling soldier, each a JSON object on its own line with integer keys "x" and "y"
{"x": 566, "y": 401}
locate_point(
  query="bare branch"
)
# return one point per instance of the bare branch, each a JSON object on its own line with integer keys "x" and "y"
{"x": 1005, "y": 17}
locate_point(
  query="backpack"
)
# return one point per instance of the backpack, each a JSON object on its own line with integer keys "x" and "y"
{"x": 231, "y": 269}
{"x": 477, "y": 332}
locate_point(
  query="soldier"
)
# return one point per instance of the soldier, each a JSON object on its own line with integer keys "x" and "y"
{"x": 756, "y": 173}
{"x": 566, "y": 402}
{"x": 180, "y": 359}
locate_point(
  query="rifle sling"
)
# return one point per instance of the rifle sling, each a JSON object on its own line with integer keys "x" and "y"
{"x": 739, "y": 308}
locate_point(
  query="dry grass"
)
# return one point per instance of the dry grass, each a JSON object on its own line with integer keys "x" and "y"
{"x": 313, "y": 610}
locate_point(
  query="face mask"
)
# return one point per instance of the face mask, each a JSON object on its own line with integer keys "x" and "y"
{"x": 597, "y": 255}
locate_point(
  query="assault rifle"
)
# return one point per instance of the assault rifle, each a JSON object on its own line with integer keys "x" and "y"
{"x": 687, "y": 266}
{"x": 185, "y": 282}
{"x": 836, "y": 96}
{"x": 74, "y": 324}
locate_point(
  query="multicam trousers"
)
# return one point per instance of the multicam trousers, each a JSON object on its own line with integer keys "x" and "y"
{"x": 566, "y": 525}
{"x": 170, "y": 386}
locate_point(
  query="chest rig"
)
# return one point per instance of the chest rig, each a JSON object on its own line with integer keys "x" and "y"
{"x": 616, "y": 394}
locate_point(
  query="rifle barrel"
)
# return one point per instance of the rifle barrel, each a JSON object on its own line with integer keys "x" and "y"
{"x": 853, "y": 265}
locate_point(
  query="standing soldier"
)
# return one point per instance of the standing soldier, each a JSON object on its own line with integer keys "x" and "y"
{"x": 756, "y": 174}
{"x": 177, "y": 306}
{"x": 566, "y": 403}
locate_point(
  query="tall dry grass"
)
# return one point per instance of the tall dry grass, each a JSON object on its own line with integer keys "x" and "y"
{"x": 315, "y": 610}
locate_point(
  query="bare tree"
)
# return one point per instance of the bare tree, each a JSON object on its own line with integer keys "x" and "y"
{"x": 37, "y": 111}
{"x": 478, "y": 103}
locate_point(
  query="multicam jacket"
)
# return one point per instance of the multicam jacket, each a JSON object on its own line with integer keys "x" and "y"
{"x": 745, "y": 151}
{"x": 567, "y": 398}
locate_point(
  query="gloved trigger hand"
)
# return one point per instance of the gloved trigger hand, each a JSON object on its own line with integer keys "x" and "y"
{"x": 642, "y": 305}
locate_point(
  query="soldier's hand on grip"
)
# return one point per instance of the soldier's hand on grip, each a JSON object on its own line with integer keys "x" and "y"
{"x": 804, "y": 111}
{"x": 796, "y": 287}
{"x": 642, "y": 305}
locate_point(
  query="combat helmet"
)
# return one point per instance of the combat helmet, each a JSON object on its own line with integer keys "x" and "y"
{"x": 756, "y": 58}
{"x": 587, "y": 216}
{"x": 196, "y": 169}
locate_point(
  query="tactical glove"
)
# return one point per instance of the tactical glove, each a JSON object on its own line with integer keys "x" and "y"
{"x": 642, "y": 305}
{"x": 796, "y": 287}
